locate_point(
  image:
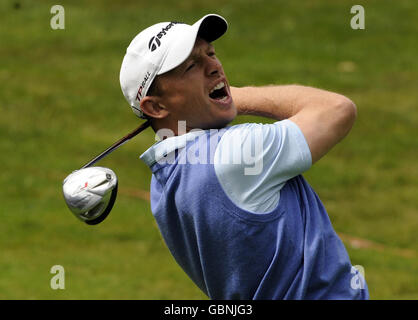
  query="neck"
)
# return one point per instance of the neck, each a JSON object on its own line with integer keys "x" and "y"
{"x": 165, "y": 128}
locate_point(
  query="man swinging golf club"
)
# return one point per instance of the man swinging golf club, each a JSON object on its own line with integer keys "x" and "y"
{"x": 230, "y": 201}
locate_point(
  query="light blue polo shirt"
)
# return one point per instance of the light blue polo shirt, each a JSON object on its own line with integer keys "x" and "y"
{"x": 242, "y": 222}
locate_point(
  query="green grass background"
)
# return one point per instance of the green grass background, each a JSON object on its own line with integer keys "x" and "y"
{"x": 61, "y": 104}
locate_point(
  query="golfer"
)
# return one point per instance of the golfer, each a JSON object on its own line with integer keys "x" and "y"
{"x": 230, "y": 201}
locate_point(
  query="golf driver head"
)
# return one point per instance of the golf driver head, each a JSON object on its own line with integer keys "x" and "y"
{"x": 90, "y": 193}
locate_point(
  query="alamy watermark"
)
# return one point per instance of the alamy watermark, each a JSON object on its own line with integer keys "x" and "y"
{"x": 245, "y": 147}
{"x": 358, "y": 20}
{"x": 58, "y": 19}
{"x": 58, "y": 280}
{"x": 358, "y": 281}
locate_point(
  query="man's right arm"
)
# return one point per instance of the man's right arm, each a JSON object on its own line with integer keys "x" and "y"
{"x": 324, "y": 117}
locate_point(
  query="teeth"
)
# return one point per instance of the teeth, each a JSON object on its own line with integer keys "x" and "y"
{"x": 218, "y": 86}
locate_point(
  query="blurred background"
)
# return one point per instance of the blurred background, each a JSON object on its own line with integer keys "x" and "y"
{"x": 61, "y": 104}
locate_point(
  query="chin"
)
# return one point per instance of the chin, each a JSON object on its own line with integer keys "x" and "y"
{"x": 222, "y": 122}
{"x": 220, "y": 117}
{"x": 228, "y": 118}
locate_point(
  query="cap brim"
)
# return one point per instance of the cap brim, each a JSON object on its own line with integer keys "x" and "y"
{"x": 209, "y": 28}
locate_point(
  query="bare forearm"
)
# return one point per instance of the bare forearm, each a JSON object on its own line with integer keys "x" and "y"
{"x": 281, "y": 101}
{"x": 324, "y": 117}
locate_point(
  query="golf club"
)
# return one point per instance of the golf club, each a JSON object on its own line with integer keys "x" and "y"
{"x": 90, "y": 192}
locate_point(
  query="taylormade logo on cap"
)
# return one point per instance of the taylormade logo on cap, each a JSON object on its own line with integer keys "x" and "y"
{"x": 159, "y": 49}
{"x": 154, "y": 42}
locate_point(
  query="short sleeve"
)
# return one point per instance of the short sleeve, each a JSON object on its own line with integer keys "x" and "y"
{"x": 253, "y": 162}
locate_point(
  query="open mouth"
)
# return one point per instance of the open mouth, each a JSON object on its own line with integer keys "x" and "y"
{"x": 219, "y": 92}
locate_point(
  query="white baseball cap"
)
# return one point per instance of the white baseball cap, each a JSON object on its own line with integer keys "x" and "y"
{"x": 159, "y": 49}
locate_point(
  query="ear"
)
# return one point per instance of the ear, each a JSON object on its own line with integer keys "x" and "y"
{"x": 151, "y": 106}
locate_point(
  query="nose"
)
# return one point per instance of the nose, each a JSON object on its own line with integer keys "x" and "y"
{"x": 214, "y": 66}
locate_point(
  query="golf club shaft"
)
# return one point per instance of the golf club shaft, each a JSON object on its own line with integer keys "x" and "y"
{"x": 117, "y": 144}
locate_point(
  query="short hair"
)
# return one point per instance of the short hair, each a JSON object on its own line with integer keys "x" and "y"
{"x": 154, "y": 88}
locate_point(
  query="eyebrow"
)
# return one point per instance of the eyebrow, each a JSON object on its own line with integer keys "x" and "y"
{"x": 196, "y": 53}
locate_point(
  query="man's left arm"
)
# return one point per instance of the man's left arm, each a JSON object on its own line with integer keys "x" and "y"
{"x": 324, "y": 117}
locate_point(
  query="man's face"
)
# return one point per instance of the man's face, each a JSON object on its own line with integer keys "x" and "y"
{"x": 197, "y": 91}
